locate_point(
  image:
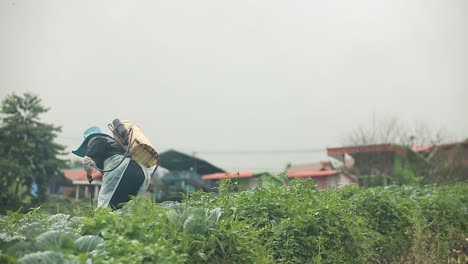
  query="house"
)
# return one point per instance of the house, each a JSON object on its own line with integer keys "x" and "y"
{"x": 312, "y": 166}
{"x": 326, "y": 178}
{"x": 445, "y": 163}
{"x": 324, "y": 173}
{"x": 245, "y": 180}
{"x": 370, "y": 159}
{"x": 383, "y": 164}
{"x": 182, "y": 173}
{"x": 379, "y": 164}
{"x": 455, "y": 154}
{"x": 321, "y": 172}
{"x": 79, "y": 183}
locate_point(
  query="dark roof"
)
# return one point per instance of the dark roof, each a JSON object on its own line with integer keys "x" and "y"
{"x": 173, "y": 160}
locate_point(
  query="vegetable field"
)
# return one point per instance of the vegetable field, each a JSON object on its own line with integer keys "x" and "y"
{"x": 273, "y": 224}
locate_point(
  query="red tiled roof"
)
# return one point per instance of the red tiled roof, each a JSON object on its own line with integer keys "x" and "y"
{"x": 226, "y": 175}
{"x": 311, "y": 173}
{"x": 81, "y": 175}
{"x": 248, "y": 174}
{"x": 421, "y": 148}
{"x": 449, "y": 145}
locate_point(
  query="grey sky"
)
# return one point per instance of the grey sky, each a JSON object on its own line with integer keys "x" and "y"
{"x": 213, "y": 77}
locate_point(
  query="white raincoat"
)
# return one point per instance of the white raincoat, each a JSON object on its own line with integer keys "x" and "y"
{"x": 111, "y": 179}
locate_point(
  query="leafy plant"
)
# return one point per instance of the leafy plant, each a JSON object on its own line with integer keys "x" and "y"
{"x": 271, "y": 224}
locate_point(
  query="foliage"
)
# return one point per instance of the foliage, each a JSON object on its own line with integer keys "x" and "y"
{"x": 271, "y": 224}
{"x": 403, "y": 172}
{"x": 28, "y": 153}
{"x": 56, "y": 204}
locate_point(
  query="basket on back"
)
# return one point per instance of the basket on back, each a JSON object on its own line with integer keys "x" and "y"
{"x": 141, "y": 149}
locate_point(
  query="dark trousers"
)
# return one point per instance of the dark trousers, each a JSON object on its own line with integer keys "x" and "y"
{"x": 129, "y": 185}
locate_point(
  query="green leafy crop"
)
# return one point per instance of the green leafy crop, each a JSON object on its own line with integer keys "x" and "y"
{"x": 270, "y": 224}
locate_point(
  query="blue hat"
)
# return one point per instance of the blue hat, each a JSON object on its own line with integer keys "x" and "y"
{"x": 88, "y": 134}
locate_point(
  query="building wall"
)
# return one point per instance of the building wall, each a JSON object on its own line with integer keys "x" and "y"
{"x": 343, "y": 180}
{"x": 373, "y": 163}
{"x": 321, "y": 182}
{"x": 253, "y": 182}
{"x": 332, "y": 181}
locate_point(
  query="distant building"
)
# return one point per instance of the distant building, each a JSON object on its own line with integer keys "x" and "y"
{"x": 383, "y": 164}
{"x": 183, "y": 174}
{"x": 246, "y": 180}
{"x": 445, "y": 163}
{"x": 324, "y": 173}
{"x": 312, "y": 166}
{"x": 75, "y": 184}
{"x": 370, "y": 159}
{"x": 326, "y": 178}
{"x": 321, "y": 172}
{"x": 455, "y": 154}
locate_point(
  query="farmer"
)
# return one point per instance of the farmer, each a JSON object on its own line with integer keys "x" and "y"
{"x": 122, "y": 177}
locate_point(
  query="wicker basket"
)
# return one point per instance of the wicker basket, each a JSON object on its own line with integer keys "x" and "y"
{"x": 141, "y": 149}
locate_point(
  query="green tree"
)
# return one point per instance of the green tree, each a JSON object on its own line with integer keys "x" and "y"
{"x": 28, "y": 153}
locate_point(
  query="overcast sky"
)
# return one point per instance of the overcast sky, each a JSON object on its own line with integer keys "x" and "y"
{"x": 232, "y": 81}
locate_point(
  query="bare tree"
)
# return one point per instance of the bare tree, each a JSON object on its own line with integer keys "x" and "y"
{"x": 394, "y": 131}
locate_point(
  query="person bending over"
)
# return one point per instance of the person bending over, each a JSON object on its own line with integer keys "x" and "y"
{"x": 122, "y": 177}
